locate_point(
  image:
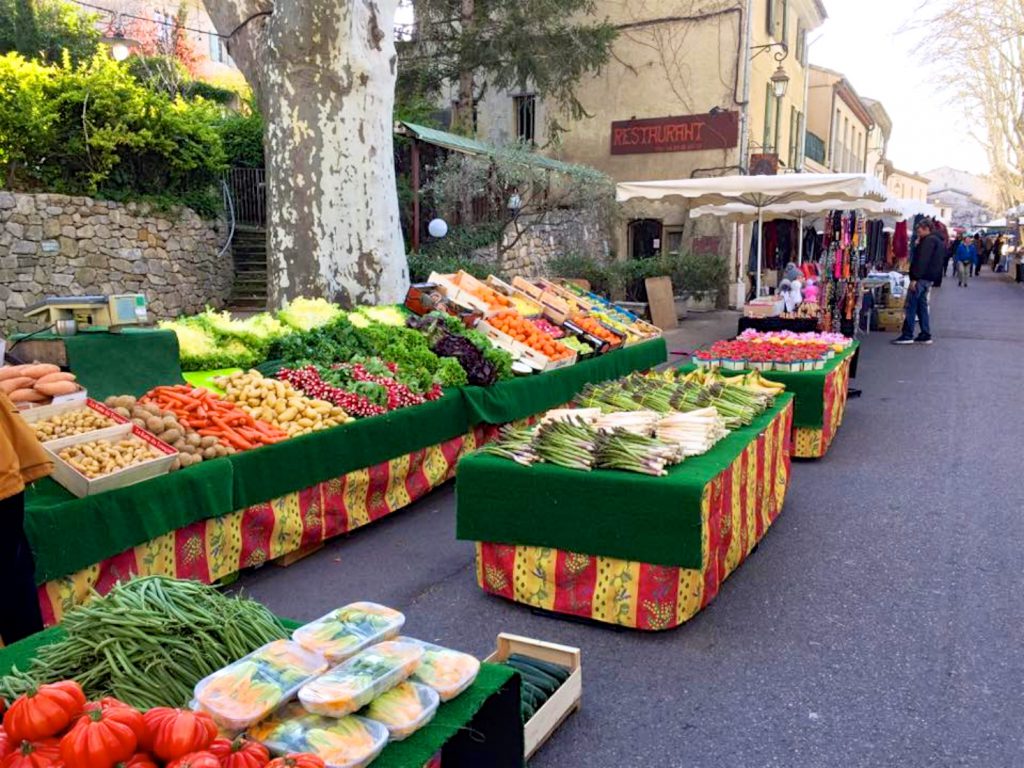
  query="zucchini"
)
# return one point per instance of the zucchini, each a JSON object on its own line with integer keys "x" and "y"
{"x": 542, "y": 680}
{"x": 560, "y": 673}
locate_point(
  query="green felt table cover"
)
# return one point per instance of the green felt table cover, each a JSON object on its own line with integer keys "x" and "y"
{"x": 68, "y": 533}
{"x": 520, "y": 398}
{"x": 807, "y": 386}
{"x": 413, "y": 752}
{"x": 604, "y": 512}
{"x": 131, "y": 362}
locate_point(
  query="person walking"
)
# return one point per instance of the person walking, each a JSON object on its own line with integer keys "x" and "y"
{"x": 964, "y": 260}
{"x": 22, "y": 461}
{"x": 951, "y": 255}
{"x": 980, "y": 254}
{"x": 925, "y": 267}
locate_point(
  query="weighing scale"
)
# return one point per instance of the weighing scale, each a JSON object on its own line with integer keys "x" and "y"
{"x": 69, "y": 313}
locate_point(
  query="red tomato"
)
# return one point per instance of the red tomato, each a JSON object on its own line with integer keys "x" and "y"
{"x": 44, "y": 713}
{"x": 240, "y": 753}
{"x": 196, "y": 760}
{"x": 34, "y": 754}
{"x": 301, "y": 760}
{"x": 6, "y": 746}
{"x": 102, "y": 737}
{"x": 138, "y": 760}
{"x": 173, "y": 733}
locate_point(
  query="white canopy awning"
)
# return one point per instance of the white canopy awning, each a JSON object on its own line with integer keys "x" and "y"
{"x": 745, "y": 213}
{"x": 758, "y": 191}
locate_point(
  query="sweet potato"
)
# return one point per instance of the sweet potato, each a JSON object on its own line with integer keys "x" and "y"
{"x": 19, "y": 382}
{"x": 27, "y": 396}
{"x": 38, "y": 370}
{"x": 54, "y": 388}
{"x": 12, "y": 371}
{"x": 58, "y": 376}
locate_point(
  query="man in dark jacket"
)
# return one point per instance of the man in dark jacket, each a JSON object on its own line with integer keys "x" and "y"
{"x": 925, "y": 269}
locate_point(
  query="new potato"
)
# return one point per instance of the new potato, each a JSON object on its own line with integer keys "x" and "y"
{"x": 280, "y": 404}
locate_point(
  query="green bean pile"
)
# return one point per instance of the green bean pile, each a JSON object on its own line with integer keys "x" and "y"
{"x": 148, "y": 642}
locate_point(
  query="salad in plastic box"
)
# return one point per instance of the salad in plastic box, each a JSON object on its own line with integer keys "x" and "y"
{"x": 347, "y": 742}
{"x": 446, "y": 671}
{"x": 251, "y": 688}
{"x": 404, "y": 709}
{"x": 343, "y": 632}
{"x": 361, "y": 679}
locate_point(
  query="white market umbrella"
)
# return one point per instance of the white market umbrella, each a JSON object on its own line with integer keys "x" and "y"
{"x": 758, "y": 192}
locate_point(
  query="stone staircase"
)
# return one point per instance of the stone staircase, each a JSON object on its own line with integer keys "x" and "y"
{"x": 249, "y": 252}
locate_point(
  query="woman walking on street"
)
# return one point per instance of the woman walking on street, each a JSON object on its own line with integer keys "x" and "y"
{"x": 964, "y": 260}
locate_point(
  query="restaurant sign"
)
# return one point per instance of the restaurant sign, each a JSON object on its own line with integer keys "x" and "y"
{"x": 689, "y": 133}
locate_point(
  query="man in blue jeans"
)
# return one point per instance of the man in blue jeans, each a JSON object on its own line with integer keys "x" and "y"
{"x": 925, "y": 269}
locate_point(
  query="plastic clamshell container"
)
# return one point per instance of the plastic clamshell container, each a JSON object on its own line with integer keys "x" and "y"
{"x": 347, "y": 742}
{"x": 404, "y": 709}
{"x": 446, "y": 671}
{"x": 358, "y": 681}
{"x": 245, "y": 692}
{"x": 344, "y": 632}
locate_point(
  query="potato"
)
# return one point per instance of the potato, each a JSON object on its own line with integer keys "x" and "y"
{"x": 171, "y": 436}
{"x": 210, "y": 453}
{"x": 194, "y": 439}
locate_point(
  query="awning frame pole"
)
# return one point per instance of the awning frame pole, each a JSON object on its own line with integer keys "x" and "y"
{"x": 760, "y": 248}
{"x": 800, "y": 242}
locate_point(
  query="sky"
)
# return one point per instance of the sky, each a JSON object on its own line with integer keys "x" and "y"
{"x": 862, "y": 39}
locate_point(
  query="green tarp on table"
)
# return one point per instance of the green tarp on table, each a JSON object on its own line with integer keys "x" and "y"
{"x": 451, "y": 718}
{"x": 131, "y": 362}
{"x": 519, "y": 398}
{"x": 67, "y": 534}
{"x": 807, "y": 386}
{"x": 544, "y": 505}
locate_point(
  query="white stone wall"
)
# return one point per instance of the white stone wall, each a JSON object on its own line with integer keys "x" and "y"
{"x": 56, "y": 244}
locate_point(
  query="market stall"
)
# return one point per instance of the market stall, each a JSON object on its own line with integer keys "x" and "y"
{"x": 234, "y": 505}
{"x": 427, "y": 705}
{"x": 820, "y": 396}
{"x": 645, "y": 548}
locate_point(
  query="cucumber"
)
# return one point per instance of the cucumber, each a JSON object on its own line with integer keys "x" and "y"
{"x": 536, "y": 695}
{"x": 558, "y": 672}
{"x": 542, "y": 680}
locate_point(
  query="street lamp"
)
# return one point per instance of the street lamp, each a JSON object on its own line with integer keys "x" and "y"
{"x": 780, "y": 82}
{"x": 120, "y": 46}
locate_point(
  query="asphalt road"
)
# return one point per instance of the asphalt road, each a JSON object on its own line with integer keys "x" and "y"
{"x": 878, "y": 624}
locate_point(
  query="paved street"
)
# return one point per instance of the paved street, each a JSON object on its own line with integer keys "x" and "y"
{"x": 878, "y": 624}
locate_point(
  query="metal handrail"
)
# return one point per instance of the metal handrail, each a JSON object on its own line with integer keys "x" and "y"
{"x": 230, "y": 205}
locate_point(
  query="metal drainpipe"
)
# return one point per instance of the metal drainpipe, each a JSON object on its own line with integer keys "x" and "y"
{"x": 739, "y": 230}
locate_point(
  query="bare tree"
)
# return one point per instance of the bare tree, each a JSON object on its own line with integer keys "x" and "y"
{"x": 979, "y": 47}
{"x": 323, "y": 73}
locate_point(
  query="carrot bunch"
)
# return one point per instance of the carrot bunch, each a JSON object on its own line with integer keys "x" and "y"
{"x": 595, "y": 328}
{"x": 521, "y": 329}
{"x": 207, "y": 414}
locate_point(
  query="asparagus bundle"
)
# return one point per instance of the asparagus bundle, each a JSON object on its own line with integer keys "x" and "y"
{"x": 566, "y": 443}
{"x": 637, "y": 422}
{"x": 636, "y": 453}
{"x": 695, "y": 432}
{"x": 514, "y": 443}
{"x": 584, "y": 415}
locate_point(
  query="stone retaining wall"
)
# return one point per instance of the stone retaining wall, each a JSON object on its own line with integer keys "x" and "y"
{"x": 61, "y": 245}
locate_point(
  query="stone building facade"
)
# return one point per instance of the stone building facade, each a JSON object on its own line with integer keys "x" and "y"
{"x": 73, "y": 246}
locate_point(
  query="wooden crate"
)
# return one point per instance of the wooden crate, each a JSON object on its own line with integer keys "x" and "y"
{"x": 556, "y": 309}
{"x": 890, "y": 319}
{"x": 520, "y": 351}
{"x": 523, "y": 304}
{"x": 80, "y": 485}
{"x": 566, "y": 700}
{"x": 452, "y": 292}
{"x": 33, "y": 415}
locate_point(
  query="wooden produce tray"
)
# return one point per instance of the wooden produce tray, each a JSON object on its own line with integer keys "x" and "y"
{"x": 556, "y": 308}
{"x": 42, "y": 412}
{"x": 80, "y": 485}
{"x": 563, "y": 702}
{"x": 455, "y": 294}
{"x": 520, "y": 351}
{"x": 520, "y": 300}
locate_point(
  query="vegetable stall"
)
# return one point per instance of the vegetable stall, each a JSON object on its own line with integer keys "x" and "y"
{"x": 176, "y": 674}
{"x": 815, "y": 367}
{"x": 297, "y": 427}
{"x": 634, "y": 506}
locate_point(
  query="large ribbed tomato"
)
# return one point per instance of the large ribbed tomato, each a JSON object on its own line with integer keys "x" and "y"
{"x": 34, "y": 754}
{"x": 196, "y": 760}
{"x": 173, "y": 733}
{"x": 103, "y": 736}
{"x": 138, "y": 760}
{"x": 240, "y": 753}
{"x": 44, "y": 712}
{"x": 301, "y": 760}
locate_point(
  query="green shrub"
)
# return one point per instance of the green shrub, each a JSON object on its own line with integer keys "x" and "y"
{"x": 601, "y": 276}
{"x": 45, "y": 29}
{"x": 242, "y": 136}
{"x": 693, "y": 273}
{"x": 457, "y": 251}
{"x": 93, "y": 129}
